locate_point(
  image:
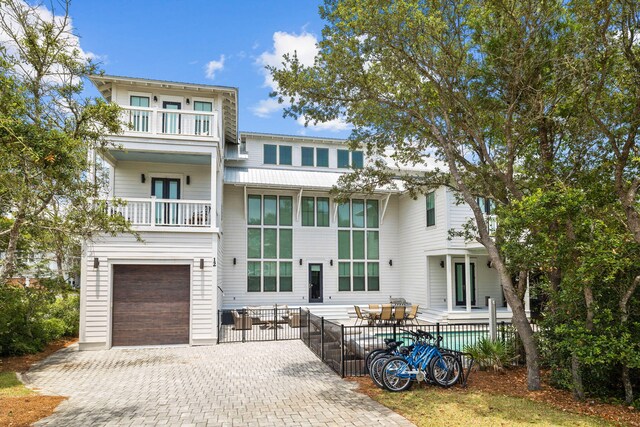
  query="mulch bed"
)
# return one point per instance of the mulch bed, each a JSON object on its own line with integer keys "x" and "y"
{"x": 514, "y": 383}
{"x": 24, "y": 411}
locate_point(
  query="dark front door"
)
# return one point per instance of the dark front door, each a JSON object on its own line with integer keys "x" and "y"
{"x": 315, "y": 282}
{"x": 171, "y": 121}
{"x": 461, "y": 285}
{"x": 166, "y": 188}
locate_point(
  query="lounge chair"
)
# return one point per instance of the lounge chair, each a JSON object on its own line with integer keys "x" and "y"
{"x": 411, "y": 316}
{"x": 360, "y": 316}
{"x": 241, "y": 321}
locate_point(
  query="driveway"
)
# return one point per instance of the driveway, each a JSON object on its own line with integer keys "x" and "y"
{"x": 252, "y": 384}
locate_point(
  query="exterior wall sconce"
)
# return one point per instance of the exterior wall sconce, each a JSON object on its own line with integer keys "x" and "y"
{"x": 441, "y": 264}
{"x": 142, "y": 178}
{"x": 489, "y": 264}
{"x": 215, "y": 264}
{"x": 155, "y": 98}
{"x": 201, "y": 263}
{"x": 188, "y": 180}
{"x": 96, "y": 263}
{"x": 235, "y": 261}
{"x": 390, "y": 263}
{"x": 188, "y": 101}
{"x": 300, "y": 261}
{"x": 331, "y": 263}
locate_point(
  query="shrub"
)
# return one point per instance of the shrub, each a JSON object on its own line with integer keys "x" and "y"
{"x": 491, "y": 354}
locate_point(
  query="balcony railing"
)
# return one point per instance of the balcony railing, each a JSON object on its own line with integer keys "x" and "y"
{"x": 164, "y": 213}
{"x": 154, "y": 121}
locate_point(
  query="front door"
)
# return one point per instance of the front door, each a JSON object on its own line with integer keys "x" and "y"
{"x": 166, "y": 188}
{"x": 315, "y": 282}
{"x": 171, "y": 121}
{"x": 461, "y": 285}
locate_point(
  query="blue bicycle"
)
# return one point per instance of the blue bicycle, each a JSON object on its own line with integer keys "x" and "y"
{"x": 425, "y": 362}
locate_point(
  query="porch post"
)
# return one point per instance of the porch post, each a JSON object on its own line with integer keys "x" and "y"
{"x": 467, "y": 281}
{"x": 449, "y": 284}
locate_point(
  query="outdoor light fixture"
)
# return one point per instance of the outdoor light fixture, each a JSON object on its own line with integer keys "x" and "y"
{"x": 188, "y": 180}
{"x": 489, "y": 264}
{"x": 201, "y": 263}
{"x": 331, "y": 263}
{"x": 188, "y": 102}
{"x": 390, "y": 263}
{"x": 300, "y": 261}
{"x": 441, "y": 264}
{"x": 234, "y": 261}
{"x": 142, "y": 178}
{"x": 155, "y": 98}
{"x": 96, "y": 263}
{"x": 214, "y": 262}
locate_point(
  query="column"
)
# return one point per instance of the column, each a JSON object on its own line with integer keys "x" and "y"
{"x": 467, "y": 281}
{"x": 450, "y": 284}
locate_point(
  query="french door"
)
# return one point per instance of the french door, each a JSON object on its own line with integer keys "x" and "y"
{"x": 171, "y": 121}
{"x": 461, "y": 285}
{"x": 167, "y": 189}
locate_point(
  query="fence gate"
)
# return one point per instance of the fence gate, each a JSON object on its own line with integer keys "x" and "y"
{"x": 259, "y": 324}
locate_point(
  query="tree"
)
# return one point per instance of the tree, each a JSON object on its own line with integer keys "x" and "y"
{"x": 48, "y": 132}
{"x": 473, "y": 84}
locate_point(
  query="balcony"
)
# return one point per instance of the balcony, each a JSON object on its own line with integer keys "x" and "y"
{"x": 492, "y": 224}
{"x": 164, "y": 213}
{"x": 161, "y": 122}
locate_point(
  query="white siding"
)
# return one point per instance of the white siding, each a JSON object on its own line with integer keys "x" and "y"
{"x": 312, "y": 245}
{"x": 128, "y": 180}
{"x": 123, "y": 94}
{"x": 156, "y": 247}
{"x": 458, "y": 216}
{"x": 437, "y": 283}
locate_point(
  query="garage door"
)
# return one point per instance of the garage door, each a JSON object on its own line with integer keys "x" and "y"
{"x": 150, "y": 304}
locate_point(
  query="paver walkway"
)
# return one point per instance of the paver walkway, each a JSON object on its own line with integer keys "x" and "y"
{"x": 251, "y": 384}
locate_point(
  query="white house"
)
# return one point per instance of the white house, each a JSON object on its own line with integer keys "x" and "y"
{"x": 230, "y": 220}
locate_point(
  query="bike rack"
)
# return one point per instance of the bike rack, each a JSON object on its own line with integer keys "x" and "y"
{"x": 459, "y": 354}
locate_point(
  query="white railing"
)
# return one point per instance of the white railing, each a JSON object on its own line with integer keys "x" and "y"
{"x": 157, "y": 121}
{"x": 492, "y": 223}
{"x": 163, "y": 212}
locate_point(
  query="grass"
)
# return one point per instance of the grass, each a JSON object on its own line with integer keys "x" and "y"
{"x": 10, "y": 386}
{"x": 454, "y": 407}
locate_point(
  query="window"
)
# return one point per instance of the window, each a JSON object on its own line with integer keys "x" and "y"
{"x": 358, "y": 246}
{"x": 270, "y": 154}
{"x": 202, "y": 123}
{"x": 487, "y": 206}
{"x": 322, "y": 157}
{"x": 269, "y": 243}
{"x": 285, "y": 154}
{"x": 138, "y": 119}
{"x": 348, "y": 159}
{"x": 431, "y": 209}
{"x": 308, "y": 207}
{"x": 343, "y": 158}
{"x": 322, "y": 212}
{"x": 307, "y": 156}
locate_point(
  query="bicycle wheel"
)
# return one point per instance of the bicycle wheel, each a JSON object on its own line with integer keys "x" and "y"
{"x": 376, "y": 368}
{"x": 369, "y": 359}
{"x": 445, "y": 369}
{"x": 395, "y": 376}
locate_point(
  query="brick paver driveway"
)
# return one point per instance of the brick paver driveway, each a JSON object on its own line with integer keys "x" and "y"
{"x": 271, "y": 383}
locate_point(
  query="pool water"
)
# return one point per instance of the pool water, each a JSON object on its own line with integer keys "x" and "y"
{"x": 456, "y": 340}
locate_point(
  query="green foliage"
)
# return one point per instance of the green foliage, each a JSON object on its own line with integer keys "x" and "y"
{"x": 488, "y": 354}
{"x": 33, "y": 316}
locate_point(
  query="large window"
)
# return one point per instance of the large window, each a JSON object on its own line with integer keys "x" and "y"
{"x": 202, "y": 125}
{"x": 307, "y": 156}
{"x": 350, "y": 159}
{"x": 322, "y": 157}
{"x": 139, "y": 119}
{"x": 269, "y": 243}
{"x": 358, "y": 246}
{"x": 276, "y": 154}
{"x": 310, "y": 156}
{"x": 315, "y": 211}
{"x": 431, "y": 209}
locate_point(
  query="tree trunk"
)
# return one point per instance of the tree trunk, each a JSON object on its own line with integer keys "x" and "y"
{"x": 628, "y": 387}
{"x": 9, "y": 265}
{"x": 576, "y": 375}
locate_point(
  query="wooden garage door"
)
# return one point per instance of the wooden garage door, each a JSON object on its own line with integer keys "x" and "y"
{"x": 150, "y": 304}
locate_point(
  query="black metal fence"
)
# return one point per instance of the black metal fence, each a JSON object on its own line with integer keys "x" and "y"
{"x": 343, "y": 348}
{"x": 259, "y": 324}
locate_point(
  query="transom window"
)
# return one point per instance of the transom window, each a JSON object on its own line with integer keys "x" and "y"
{"x": 315, "y": 211}
{"x": 358, "y": 246}
{"x": 350, "y": 159}
{"x": 269, "y": 243}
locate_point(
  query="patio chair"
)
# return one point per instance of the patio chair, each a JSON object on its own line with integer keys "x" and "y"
{"x": 294, "y": 320}
{"x": 411, "y": 316}
{"x": 386, "y": 314}
{"x": 399, "y": 314}
{"x": 374, "y": 306}
{"x": 241, "y": 321}
{"x": 360, "y": 317}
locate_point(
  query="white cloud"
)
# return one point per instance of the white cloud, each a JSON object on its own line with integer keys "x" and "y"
{"x": 304, "y": 45}
{"x": 214, "y": 66}
{"x": 335, "y": 125}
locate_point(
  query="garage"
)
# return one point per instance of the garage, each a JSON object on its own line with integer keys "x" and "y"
{"x": 150, "y": 305}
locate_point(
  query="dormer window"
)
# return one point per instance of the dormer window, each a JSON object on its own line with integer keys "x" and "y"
{"x": 347, "y": 159}
{"x": 277, "y": 154}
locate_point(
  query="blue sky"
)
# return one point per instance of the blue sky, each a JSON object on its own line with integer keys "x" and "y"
{"x": 214, "y": 42}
